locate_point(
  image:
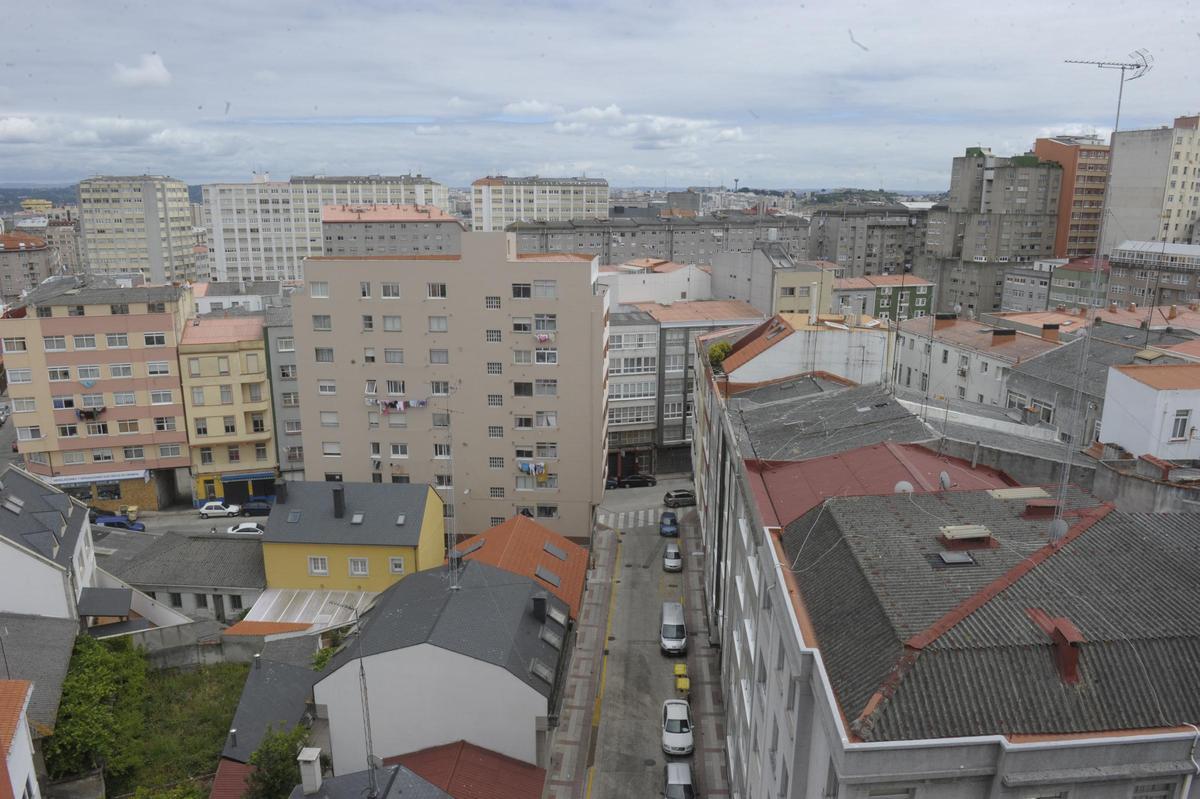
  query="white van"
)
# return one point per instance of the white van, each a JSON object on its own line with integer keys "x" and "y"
{"x": 672, "y": 637}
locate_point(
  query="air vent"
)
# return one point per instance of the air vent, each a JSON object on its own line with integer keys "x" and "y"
{"x": 956, "y": 558}
{"x": 14, "y": 504}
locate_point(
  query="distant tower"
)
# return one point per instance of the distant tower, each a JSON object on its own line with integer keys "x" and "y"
{"x": 735, "y": 184}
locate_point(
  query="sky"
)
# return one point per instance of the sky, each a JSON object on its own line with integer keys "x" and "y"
{"x": 781, "y": 95}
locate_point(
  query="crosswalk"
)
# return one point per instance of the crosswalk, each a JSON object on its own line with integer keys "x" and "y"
{"x": 629, "y": 519}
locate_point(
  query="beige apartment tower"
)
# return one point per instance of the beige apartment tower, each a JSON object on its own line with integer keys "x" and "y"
{"x": 137, "y": 224}
{"x": 482, "y": 372}
{"x": 499, "y": 201}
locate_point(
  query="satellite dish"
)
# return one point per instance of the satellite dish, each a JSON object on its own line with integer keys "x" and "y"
{"x": 903, "y": 487}
{"x": 944, "y": 480}
{"x": 957, "y": 308}
{"x": 1058, "y": 528}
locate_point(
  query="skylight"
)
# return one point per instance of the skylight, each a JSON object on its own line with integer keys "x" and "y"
{"x": 558, "y": 614}
{"x": 400, "y": 519}
{"x": 357, "y": 518}
{"x": 14, "y": 504}
{"x": 293, "y": 516}
{"x": 549, "y": 636}
{"x": 548, "y": 576}
{"x": 555, "y": 551}
{"x": 540, "y": 669}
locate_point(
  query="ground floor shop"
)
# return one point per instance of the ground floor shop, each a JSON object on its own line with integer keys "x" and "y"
{"x": 234, "y": 487}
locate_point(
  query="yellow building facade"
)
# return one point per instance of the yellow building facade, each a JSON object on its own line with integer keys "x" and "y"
{"x": 227, "y": 402}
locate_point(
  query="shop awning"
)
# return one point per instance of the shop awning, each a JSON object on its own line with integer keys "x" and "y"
{"x": 234, "y": 478}
{"x": 97, "y": 477}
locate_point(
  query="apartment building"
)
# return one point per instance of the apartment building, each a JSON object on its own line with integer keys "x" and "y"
{"x": 285, "y": 390}
{"x": 482, "y": 373}
{"x": 25, "y": 261}
{"x": 389, "y": 229}
{"x": 867, "y": 239}
{"x": 93, "y": 379}
{"x": 1153, "y": 189}
{"x": 1078, "y": 283}
{"x": 63, "y": 237}
{"x": 885, "y": 297}
{"x": 1000, "y": 211}
{"x": 227, "y": 402}
{"x": 633, "y": 434}
{"x": 1084, "y": 160}
{"x": 211, "y": 297}
{"x": 1027, "y": 286}
{"x": 695, "y": 240}
{"x": 773, "y": 281}
{"x": 264, "y": 229}
{"x": 1154, "y": 273}
{"x": 137, "y": 224}
{"x": 498, "y": 201}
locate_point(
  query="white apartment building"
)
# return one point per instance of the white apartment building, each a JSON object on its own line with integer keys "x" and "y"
{"x": 141, "y": 224}
{"x": 1153, "y": 410}
{"x": 498, "y": 201}
{"x": 264, "y": 229}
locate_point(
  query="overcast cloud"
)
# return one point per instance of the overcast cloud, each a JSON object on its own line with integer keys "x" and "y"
{"x": 793, "y": 94}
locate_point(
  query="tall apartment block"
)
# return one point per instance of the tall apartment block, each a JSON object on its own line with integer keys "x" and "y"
{"x": 137, "y": 224}
{"x": 355, "y": 230}
{"x": 1084, "y": 160}
{"x": 481, "y": 372}
{"x": 1000, "y": 211}
{"x": 499, "y": 201}
{"x": 867, "y": 239}
{"x": 263, "y": 230}
{"x": 25, "y": 261}
{"x": 93, "y": 378}
{"x": 1153, "y": 190}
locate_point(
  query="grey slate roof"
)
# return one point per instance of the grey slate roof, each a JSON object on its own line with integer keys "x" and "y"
{"x": 105, "y": 601}
{"x": 1058, "y": 366}
{"x": 809, "y": 420}
{"x": 95, "y": 290}
{"x": 394, "y": 782}
{"x": 50, "y": 522}
{"x": 174, "y": 560}
{"x": 488, "y": 618}
{"x": 38, "y": 648}
{"x": 870, "y": 579}
{"x": 275, "y": 695}
{"x": 380, "y": 503}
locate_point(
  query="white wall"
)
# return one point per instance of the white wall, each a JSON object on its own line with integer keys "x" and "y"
{"x": 21, "y": 771}
{"x": 983, "y": 375}
{"x": 246, "y": 302}
{"x": 1140, "y": 418}
{"x": 32, "y": 585}
{"x": 84, "y": 560}
{"x": 424, "y": 696}
{"x": 159, "y": 613}
{"x": 858, "y": 355}
{"x": 689, "y": 283}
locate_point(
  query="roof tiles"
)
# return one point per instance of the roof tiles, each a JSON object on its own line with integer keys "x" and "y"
{"x": 1164, "y": 377}
{"x": 467, "y": 771}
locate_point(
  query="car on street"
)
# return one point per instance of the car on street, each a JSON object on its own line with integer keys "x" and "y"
{"x": 256, "y": 508}
{"x": 679, "y": 781}
{"x": 120, "y": 523}
{"x": 677, "y": 738}
{"x": 247, "y": 528}
{"x": 637, "y": 481}
{"x": 672, "y": 558}
{"x": 611, "y": 482}
{"x": 218, "y": 508}
{"x": 679, "y": 498}
{"x": 672, "y": 633}
{"x": 668, "y": 524}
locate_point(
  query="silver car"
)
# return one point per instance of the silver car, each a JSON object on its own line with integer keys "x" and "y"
{"x": 672, "y": 558}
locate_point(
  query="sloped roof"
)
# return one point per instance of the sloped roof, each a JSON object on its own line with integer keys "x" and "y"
{"x": 467, "y": 771}
{"x": 230, "y": 781}
{"x": 489, "y": 618}
{"x": 14, "y": 696}
{"x": 1059, "y": 366}
{"x": 105, "y": 601}
{"x": 49, "y": 522}
{"x": 918, "y": 649}
{"x": 38, "y": 648}
{"x": 380, "y": 504}
{"x": 275, "y": 696}
{"x": 700, "y": 311}
{"x": 521, "y": 546}
{"x": 174, "y": 560}
{"x": 977, "y": 336}
{"x": 392, "y": 782}
{"x": 757, "y": 341}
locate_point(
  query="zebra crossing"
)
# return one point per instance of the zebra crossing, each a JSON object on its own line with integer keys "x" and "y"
{"x": 629, "y": 519}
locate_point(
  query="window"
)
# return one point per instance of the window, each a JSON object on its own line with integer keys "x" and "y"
{"x": 358, "y": 567}
{"x": 492, "y": 336}
{"x": 58, "y": 343}
{"x": 285, "y": 344}
{"x": 546, "y": 419}
{"x": 156, "y": 307}
{"x": 439, "y": 356}
{"x": 522, "y": 356}
{"x": 368, "y": 323}
{"x": 522, "y": 291}
{"x": 547, "y": 449}
{"x": 496, "y": 492}
{"x": 441, "y": 450}
{"x": 291, "y": 426}
{"x": 97, "y": 428}
{"x": 318, "y": 565}
{"x": 439, "y": 324}
{"x": 318, "y": 289}
{"x": 85, "y": 341}
{"x": 1179, "y": 428}
{"x": 73, "y": 458}
{"x": 322, "y": 322}
{"x": 91, "y": 400}
{"x": 368, "y": 355}
{"x": 1154, "y": 790}
{"x": 439, "y": 388}
{"x": 495, "y": 368}
{"x": 399, "y": 451}
{"x": 323, "y": 354}
{"x": 197, "y": 395}
{"x": 157, "y": 368}
{"x": 364, "y": 290}
{"x": 523, "y": 422}
{"x": 331, "y": 449}
{"x": 393, "y": 356}
{"x": 495, "y": 400}
{"x": 546, "y": 355}
{"x": 31, "y": 433}
{"x": 290, "y": 399}
{"x": 545, "y": 387}
{"x": 287, "y": 372}
{"x": 391, "y": 291}
{"x": 547, "y": 511}
{"x": 202, "y": 427}
{"x": 522, "y": 324}
{"x": 436, "y": 291}
{"x": 65, "y": 402}
{"x": 160, "y": 397}
{"x": 545, "y": 289}
{"x": 441, "y": 419}
{"x": 391, "y": 324}
{"x": 295, "y": 454}
{"x": 134, "y": 453}
{"x": 492, "y": 303}
{"x": 396, "y": 564}
{"x": 176, "y": 600}
{"x": 194, "y": 367}
{"x": 102, "y": 455}
{"x": 26, "y": 375}
{"x": 327, "y": 387}
{"x": 164, "y": 424}
{"x": 495, "y": 431}
{"x": 395, "y": 387}
{"x": 67, "y": 431}
{"x": 545, "y": 322}
{"x": 18, "y": 344}
{"x": 523, "y": 389}
{"x": 24, "y": 405}
{"x": 495, "y": 463}
{"x": 155, "y": 339}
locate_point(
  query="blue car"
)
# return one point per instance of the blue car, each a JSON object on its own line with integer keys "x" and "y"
{"x": 120, "y": 523}
{"x": 668, "y": 524}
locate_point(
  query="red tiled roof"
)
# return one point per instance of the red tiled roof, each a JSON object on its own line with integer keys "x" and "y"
{"x": 467, "y": 771}
{"x": 230, "y": 782}
{"x": 265, "y": 627}
{"x": 518, "y": 546}
{"x": 786, "y": 490}
{"x": 1165, "y": 377}
{"x": 14, "y": 696}
{"x": 554, "y": 256}
{"x": 757, "y": 341}
{"x": 13, "y": 241}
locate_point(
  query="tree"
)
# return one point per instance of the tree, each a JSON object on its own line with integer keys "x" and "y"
{"x": 101, "y": 714}
{"x": 718, "y": 352}
{"x": 275, "y": 770}
{"x": 183, "y": 790}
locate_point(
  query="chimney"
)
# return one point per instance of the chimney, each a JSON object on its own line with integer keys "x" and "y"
{"x": 942, "y": 320}
{"x": 1133, "y": 306}
{"x": 1001, "y": 336}
{"x": 339, "y": 502}
{"x": 1066, "y": 639}
{"x": 1173, "y": 312}
{"x": 539, "y": 607}
{"x": 281, "y": 492}
{"x": 310, "y": 769}
{"x": 1112, "y": 307}
{"x": 1050, "y": 332}
{"x": 1060, "y": 308}
{"x": 257, "y": 661}
{"x": 233, "y": 737}
{"x": 1040, "y": 509}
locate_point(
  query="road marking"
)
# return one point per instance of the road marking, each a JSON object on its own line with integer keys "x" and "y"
{"x": 612, "y": 604}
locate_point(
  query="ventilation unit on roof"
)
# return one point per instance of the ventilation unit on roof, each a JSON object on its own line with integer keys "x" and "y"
{"x": 965, "y": 532}
{"x": 14, "y": 504}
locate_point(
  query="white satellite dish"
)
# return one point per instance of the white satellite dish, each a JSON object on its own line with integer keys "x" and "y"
{"x": 944, "y": 480}
{"x": 903, "y": 487}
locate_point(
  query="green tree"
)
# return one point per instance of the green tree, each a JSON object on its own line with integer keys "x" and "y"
{"x": 184, "y": 790}
{"x": 101, "y": 714}
{"x": 276, "y": 771}
{"x": 718, "y": 352}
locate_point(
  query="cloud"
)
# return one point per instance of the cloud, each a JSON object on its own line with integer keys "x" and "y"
{"x": 594, "y": 114}
{"x": 151, "y": 71}
{"x": 730, "y": 134}
{"x": 428, "y": 130}
{"x": 18, "y": 130}
{"x": 530, "y": 108}
{"x": 266, "y": 76}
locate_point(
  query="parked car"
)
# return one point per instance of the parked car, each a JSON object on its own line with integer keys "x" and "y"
{"x": 247, "y": 528}
{"x": 637, "y": 481}
{"x": 256, "y": 508}
{"x": 679, "y": 498}
{"x": 672, "y": 635}
{"x": 218, "y": 508}
{"x": 611, "y": 482}
{"x": 258, "y": 499}
{"x": 672, "y": 559}
{"x": 679, "y": 781}
{"x": 677, "y": 736}
{"x": 121, "y": 523}
{"x": 668, "y": 524}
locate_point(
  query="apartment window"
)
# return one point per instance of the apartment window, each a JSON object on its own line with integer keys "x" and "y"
{"x": 545, "y": 322}
{"x": 522, "y": 357}
{"x": 32, "y": 433}
{"x": 391, "y": 324}
{"x": 26, "y": 375}
{"x": 496, "y": 492}
{"x": 157, "y": 368}
{"x": 371, "y": 386}
{"x": 176, "y": 600}
{"x": 491, "y": 303}
{"x": 318, "y": 565}
{"x": 57, "y": 343}
{"x": 333, "y": 477}
{"x": 1179, "y": 428}
{"x": 86, "y": 341}
{"x": 18, "y": 344}
{"x": 492, "y": 336}
{"x": 945, "y": 356}
{"x": 441, "y": 419}
{"x": 194, "y": 367}
{"x": 97, "y": 428}
{"x": 546, "y": 419}
{"x": 439, "y": 356}
{"x": 234, "y": 453}
{"x": 547, "y": 511}
{"x": 358, "y": 567}
{"x": 368, "y": 323}
{"x": 164, "y": 424}
{"x": 441, "y": 450}
{"x": 495, "y": 431}
{"x": 787, "y": 291}
{"x": 202, "y": 427}
{"x": 546, "y": 355}
{"x": 155, "y": 339}
{"x": 523, "y": 422}
{"x": 545, "y": 289}
{"x": 443, "y": 481}
{"x": 391, "y": 291}
{"x": 318, "y": 289}
{"x": 160, "y": 397}
{"x": 396, "y": 564}
{"x": 544, "y": 387}
{"x": 323, "y": 354}
{"x": 73, "y": 458}
{"x": 522, "y": 291}
{"x": 364, "y": 290}
{"x": 523, "y": 389}
{"x": 495, "y": 400}
{"x": 134, "y": 453}
{"x": 393, "y": 356}
{"x": 495, "y": 368}
{"x": 439, "y": 324}
{"x": 24, "y": 405}
{"x": 88, "y": 372}
{"x": 368, "y": 355}
{"x": 436, "y": 291}
{"x": 295, "y": 454}
{"x": 285, "y": 344}
{"x": 547, "y": 449}
{"x": 197, "y": 395}
{"x": 331, "y": 449}
{"x": 291, "y": 426}
{"x": 495, "y": 463}
{"x": 287, "y": 372}
{"x": 1154, "y": 790}
{"x": 229, "y": 424}
{"x": 327, "y": 387}
{"x": 522, "y": 324}
{"x": 322, "y": 322}
{"x": 395, "y": 387}
{"x": 399, "y": 451}
{"x": 102, "y": 455}
{"x": 290, "y": 399}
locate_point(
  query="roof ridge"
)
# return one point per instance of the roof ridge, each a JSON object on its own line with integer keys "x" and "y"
{"x": 915, "y": 645}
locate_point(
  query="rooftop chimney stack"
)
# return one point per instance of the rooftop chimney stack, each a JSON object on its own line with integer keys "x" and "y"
{"x": 942, "y": 320}
{"x": 1050, "y": 332}
{"x": 339, "y": 502}
{"x": 539, "y": 607}
{"x": 310, "y": 769}
{"x": 1001, "y": 336}
{"x": 1066, "y": 639}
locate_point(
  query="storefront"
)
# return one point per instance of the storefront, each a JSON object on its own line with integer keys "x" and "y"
{"x": 234, "y": 487}
{"x": 112, "y": 490}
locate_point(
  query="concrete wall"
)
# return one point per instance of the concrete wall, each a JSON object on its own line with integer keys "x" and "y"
{"x": 858, "y": 354}
{"x": 33, "y": 585}
{"x": 1025, "y": 469}
{"x": 1134, "y": 493}
{"x": 1140, "y": 418}
{"x": 688, "y": 283}
{"x": 22, "y": 773}
{"x": 745, "y": 276}
{"x": 160, "y": 614}
{"x": 1137, "y": 183}
{"x": 90, "y": 786}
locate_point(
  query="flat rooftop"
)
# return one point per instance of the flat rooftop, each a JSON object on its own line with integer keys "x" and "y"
{"x": 701, "y": 311}
{"x": 211, "y": 330}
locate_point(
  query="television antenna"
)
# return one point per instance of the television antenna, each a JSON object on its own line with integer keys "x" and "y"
{"x": 1140, "y": 62}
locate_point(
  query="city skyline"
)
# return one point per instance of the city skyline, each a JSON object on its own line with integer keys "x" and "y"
{"x": 792, "y": 97}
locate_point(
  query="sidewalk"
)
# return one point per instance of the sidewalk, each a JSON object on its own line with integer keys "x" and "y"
{"x": 574, "y": 743}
